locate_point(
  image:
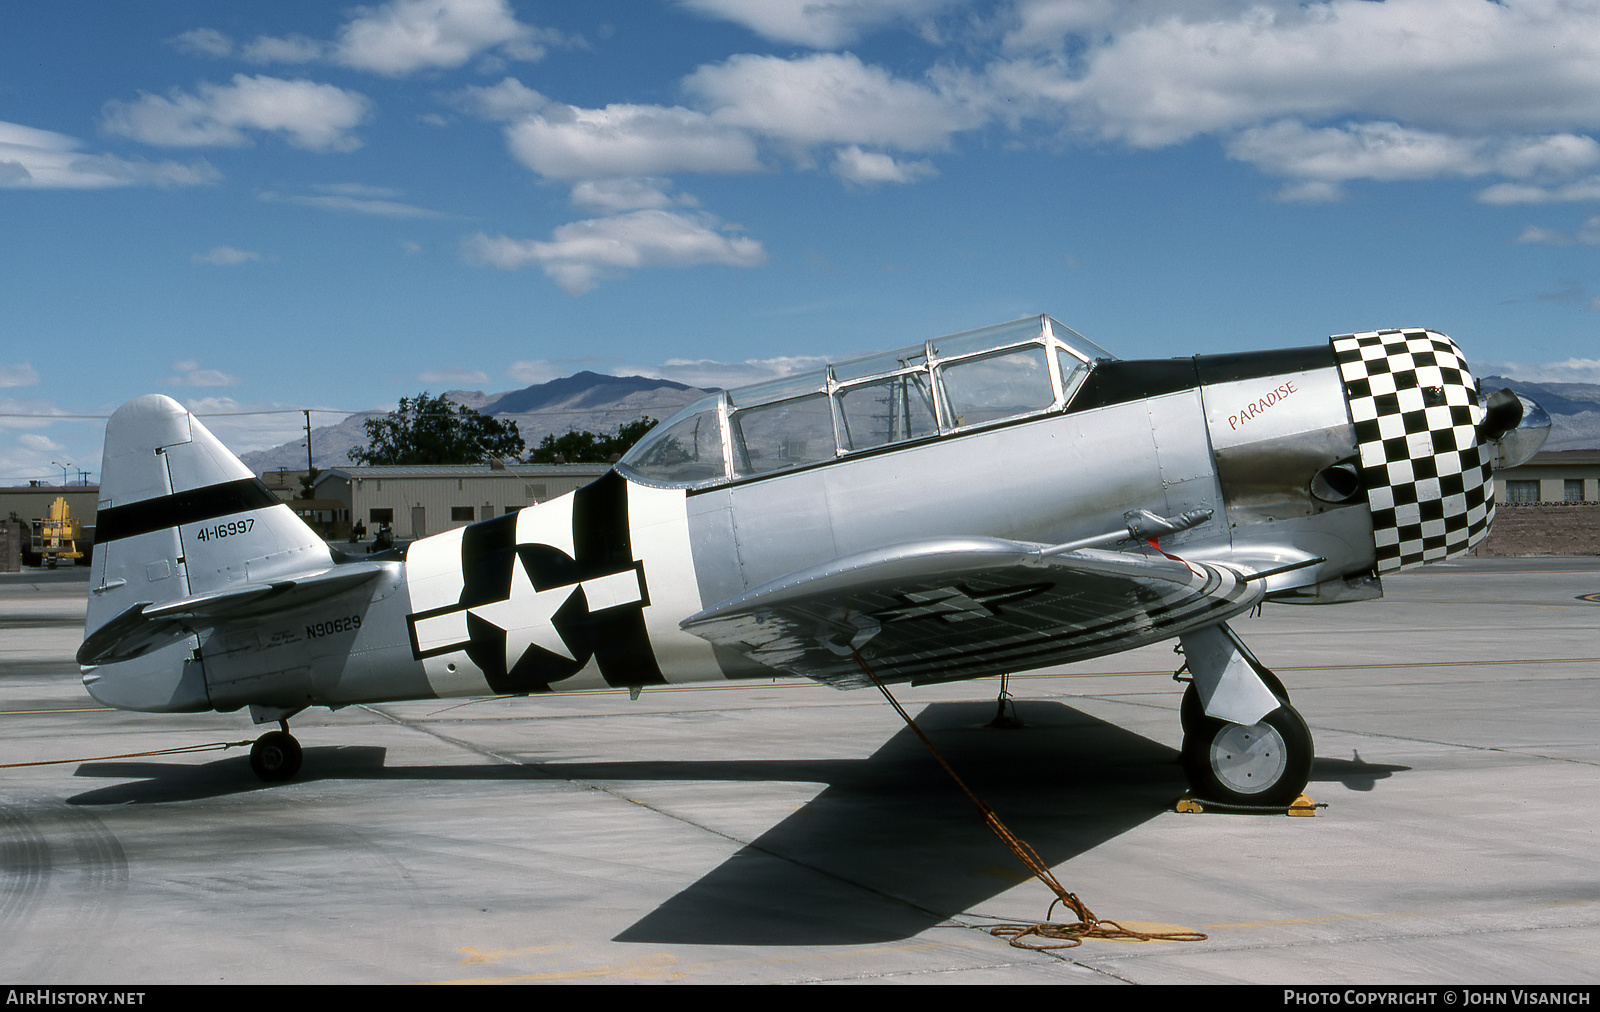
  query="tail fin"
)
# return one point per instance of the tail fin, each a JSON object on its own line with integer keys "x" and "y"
{"x": 180, "y": 516}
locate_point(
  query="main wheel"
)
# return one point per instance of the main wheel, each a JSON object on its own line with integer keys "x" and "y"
{"x": 1266, "y": 764}
{"x": 275, "y": 756}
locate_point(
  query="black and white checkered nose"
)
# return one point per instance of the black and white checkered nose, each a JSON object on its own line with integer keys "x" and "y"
{"x": 1415, "y": 408}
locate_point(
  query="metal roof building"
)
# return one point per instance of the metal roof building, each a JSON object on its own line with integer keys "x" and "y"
{"x": 1569, "y": 476}
{"x": 424, "y": 499}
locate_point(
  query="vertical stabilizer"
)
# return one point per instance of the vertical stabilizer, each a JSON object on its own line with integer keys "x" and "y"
{"x": 179, "y": 515}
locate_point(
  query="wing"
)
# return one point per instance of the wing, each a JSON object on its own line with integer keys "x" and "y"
{"x": 951, "y": 608}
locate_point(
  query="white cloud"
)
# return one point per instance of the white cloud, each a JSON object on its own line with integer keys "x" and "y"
{"x": 1587, "y": 234}
{"x": 318, "y": 117}
{"x": 352, "y": 199}
{"x": 820, "y": 99}
{"x": 204, "y": 42}
{"x": 705, "y": 372}
{"x": 405, "y": 36}
{"x": 43, "y": 159}
{"x": 1582, "y": 190}
{"x": 37, "y": 432}
{"x": 567, "y": 142}
{"x": 621, "y": 140}
{"x": 35, "y": 414}
{"x": 613, "y": 195}
{"x": 506, "y": 101}
{"x": 225, "y": 256}
{"x": 582, "y": 253}
{"x": 289, "y": 49}
{"x": 38, "y": 443}
{"x": 23, "y": 375}
{"x": 1151, "y": 75}
{"x": 1318, "y": 93}
{"x": 1311, "y": 191}
{"x": 821, "y": 25}
{"x": 698, "y": 372}
{"x": 1572, "y": 370}
{"x": 1385, "y": 151}
{"x": 395, "y": 39}
{"x": 867, "y": 168}
{"x": 1534, "y": 235}
{"x": 1388, "y": 151}
{"x": 827, "y": 98}
{"x": 1555, "y": 156}
{"x": 189, "y": 374}
{"x": 533, "y": 371}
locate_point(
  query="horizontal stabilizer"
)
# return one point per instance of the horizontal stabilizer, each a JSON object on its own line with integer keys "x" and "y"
{"x": 145, "y": 626}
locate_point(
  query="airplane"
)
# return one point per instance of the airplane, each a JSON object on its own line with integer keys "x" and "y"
{"x": 994, "y": 501}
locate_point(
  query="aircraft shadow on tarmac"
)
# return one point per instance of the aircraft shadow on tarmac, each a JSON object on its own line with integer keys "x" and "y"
{"x": 889, "y": 848}
{"x": 1355, "y": 774}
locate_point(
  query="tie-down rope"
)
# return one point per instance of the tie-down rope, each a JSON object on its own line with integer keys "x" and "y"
{"x": 1065, "y": 936}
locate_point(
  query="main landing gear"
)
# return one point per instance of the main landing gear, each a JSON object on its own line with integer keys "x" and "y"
{"x": 276, "y": 755}
{"x": 1266, "y": 764}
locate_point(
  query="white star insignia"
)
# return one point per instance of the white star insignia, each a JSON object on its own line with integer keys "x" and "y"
{"x": 527, "y": 617}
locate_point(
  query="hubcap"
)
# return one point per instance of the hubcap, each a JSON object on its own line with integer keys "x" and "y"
{"x": 1249, "y": 759}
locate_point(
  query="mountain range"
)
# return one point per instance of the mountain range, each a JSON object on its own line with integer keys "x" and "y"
{"x": 586, "y": 401}
{"x": 599, "y": 403}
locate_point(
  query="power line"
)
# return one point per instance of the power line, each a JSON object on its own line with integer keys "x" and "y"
{"x": 342, "y": 411}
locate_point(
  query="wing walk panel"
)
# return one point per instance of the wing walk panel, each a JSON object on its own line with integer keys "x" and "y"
{"x": 951, "y": 609}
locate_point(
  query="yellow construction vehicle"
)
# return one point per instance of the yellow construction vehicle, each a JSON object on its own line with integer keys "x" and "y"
{"x": 57, "y": 536}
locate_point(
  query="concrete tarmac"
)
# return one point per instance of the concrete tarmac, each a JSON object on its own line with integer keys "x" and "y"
{"x": 787, "y": 832}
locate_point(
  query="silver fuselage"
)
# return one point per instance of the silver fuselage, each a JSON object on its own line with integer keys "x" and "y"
{"x": 590, "y": 590}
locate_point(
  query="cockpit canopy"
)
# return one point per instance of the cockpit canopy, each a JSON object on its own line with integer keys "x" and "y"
{"x": 949, "y": 384}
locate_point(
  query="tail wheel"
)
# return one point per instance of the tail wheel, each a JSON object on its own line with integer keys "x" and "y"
{"x": 275, "y": 756}
{"x": 1266, "y": 764}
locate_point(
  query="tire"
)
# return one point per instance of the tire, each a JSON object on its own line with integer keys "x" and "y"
{"x": 275, "y": 756}
{"x": 1266, "y": 764}
{"x": 1190, "y": 713}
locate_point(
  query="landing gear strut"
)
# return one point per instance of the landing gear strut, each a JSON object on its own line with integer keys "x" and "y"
{"x": 1266, "y": 764}
{"x": 1002, "y": 719}
{"x": 276, "y": 755}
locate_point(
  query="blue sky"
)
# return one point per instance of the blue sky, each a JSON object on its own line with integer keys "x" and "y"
{"x": 257, "y": 207}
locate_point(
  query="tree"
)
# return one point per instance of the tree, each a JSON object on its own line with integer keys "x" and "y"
{"x": 583, "y": 447}
{"x": 433, "y": 430}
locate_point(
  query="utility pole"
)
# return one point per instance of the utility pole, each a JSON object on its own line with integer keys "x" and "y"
{"x": 311, "y": 469}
